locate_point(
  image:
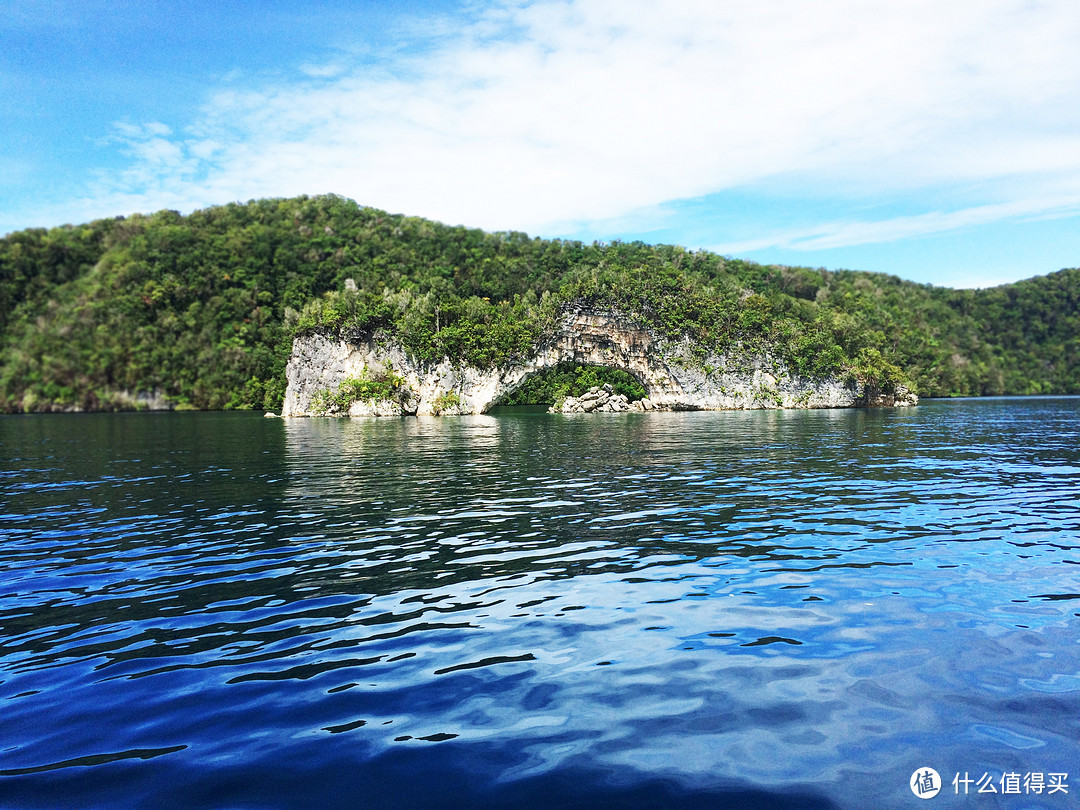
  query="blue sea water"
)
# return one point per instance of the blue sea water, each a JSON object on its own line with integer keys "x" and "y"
{"x": 732, "y": 609}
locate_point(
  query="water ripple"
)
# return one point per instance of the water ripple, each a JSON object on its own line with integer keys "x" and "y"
{"x": 736, "y": 604}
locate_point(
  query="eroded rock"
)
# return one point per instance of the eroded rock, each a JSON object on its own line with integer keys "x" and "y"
{"x": 674, "y": 377}
{"x": 595, "y": 399}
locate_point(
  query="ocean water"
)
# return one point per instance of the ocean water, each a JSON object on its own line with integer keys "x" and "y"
{"x": 731, "y": 609}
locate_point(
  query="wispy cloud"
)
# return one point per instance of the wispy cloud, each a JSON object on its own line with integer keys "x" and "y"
{"x": 546, "y": 115}
{"x": 847, "y": 233}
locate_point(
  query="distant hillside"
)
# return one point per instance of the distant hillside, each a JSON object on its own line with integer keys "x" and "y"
{"x": 200, "y": 310}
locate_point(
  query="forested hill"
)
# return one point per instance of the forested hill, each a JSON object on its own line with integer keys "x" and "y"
{"x": 201, "y": 309}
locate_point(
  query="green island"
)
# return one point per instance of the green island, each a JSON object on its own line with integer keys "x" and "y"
{"x": 200, "y": 311}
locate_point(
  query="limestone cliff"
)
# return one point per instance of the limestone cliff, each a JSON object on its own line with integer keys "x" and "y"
{"x": 673, "y": 378}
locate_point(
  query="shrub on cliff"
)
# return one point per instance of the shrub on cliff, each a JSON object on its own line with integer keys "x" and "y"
{"x": 385, "y": 385}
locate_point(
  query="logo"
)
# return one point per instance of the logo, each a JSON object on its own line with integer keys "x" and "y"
{"x": 925, "y": 783}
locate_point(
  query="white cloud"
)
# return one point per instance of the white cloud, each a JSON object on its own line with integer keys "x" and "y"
{"x": 326, "y": 71}
{"x": 539, "y": 115}
{"x": 848, "y": 233}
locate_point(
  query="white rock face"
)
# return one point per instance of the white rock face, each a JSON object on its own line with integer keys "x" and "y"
{"x": 600, "y": 399}
{"x": 672, "y": 377}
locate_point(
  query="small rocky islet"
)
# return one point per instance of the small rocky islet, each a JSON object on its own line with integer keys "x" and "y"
{"x": 602, "y": 399}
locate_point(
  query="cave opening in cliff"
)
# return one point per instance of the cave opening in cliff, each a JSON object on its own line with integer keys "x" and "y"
{"x": 572, "y": 380}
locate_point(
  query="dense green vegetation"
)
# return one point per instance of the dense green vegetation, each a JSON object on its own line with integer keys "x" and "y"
{"x": 201, "y": 309}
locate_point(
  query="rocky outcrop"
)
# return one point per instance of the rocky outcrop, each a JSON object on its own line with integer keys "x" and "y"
{"x": 603, "y": 399}
{"x": 600, "y": 399}
{"x": 900, "y": 398}
{"x": 673, "y": 376}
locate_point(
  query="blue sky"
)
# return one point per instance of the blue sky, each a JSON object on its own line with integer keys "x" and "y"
{"x": 936, "y": 141}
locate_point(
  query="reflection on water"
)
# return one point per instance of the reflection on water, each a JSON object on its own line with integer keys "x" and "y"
{"x": 680, "y": 609}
